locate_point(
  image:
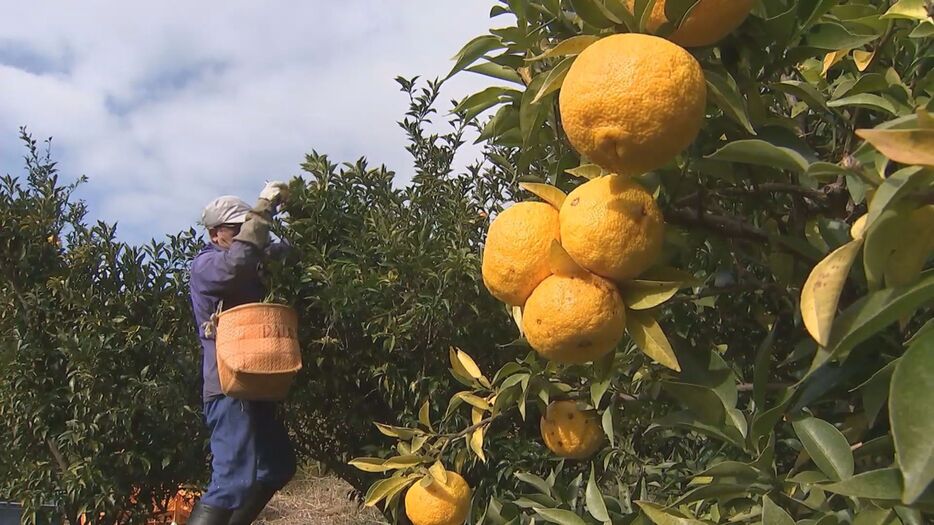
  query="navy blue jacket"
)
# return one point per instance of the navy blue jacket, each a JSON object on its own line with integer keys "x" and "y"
{"x": 218, "y": 275}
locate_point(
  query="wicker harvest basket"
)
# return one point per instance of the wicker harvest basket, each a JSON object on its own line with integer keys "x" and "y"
{"x": 257, "y": 351}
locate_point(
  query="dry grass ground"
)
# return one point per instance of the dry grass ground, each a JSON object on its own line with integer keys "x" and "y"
{"x": 317, "y": 500}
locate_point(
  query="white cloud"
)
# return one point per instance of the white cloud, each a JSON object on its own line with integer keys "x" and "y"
{"x": 167, "y": 105}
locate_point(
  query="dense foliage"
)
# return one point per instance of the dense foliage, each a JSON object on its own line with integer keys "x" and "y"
{"x": 99, "y": 409}
{"x": 385, "y": 281}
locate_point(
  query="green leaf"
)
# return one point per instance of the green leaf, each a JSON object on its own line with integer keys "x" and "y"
{"x": 620, "y": 11}
{"x": 662, "y": 516}
{"x": 560, "y": 516}
{"x": 586, "y": 171}
{"x": 718, "y": 490}
{"x": 439, "y": 473}
{"x": 772, "y": 514}
{"x": 535, "y": 481}
{"x": 887, "y": 232}
{"x": 827, "y": 447}
{"x": 650, "y": 339}
{"x": 595, "y": 504}
{"x": 896, "y": 187}
{"x": 533, "y": 501}
{"x": 924, "y": 30}
{"x": 865, "y": 100}
{"x": 598, "y": 389}
{"x": 473, "y": 50}
{"x": 594, "y": 13}
{"x": 476, "y": 443}
{"x": 833, "y": 36}
{"x": 492, "y": 70}
{"x": 708, "y": 368}
{"x": 820, "y": 294}
{"x": 689, "y": 420}
{"x": 514, "y": 379}
{"x": 907, "y": 146}
{"x": 571, "y": 46}
{"x": 473, "y": 400}
{"x": 872, "y": 313}
{"x": 397, "y": 432}
{"x": 553, "y": 79}
{"x": 424, "y": 416}
{"x": 875, "y": 391}
{"x": 870, "y": 515}
{"x": 882, "y": 484}
{"x": 732, "y": 472}
{"x": 909, "y": 516}
{"x": 803, "y": 91}
{"x": 677, "y": 10}
{"x": 867, "y": 83}
{"x": 453, "y": 404}
{"x": 607, "y": 422}
{"x": 724, "y": 93}
{"x": 531, "y": 114}
{"x": 827, "y": 172}
{"x": 926, "y": 329}
{"x": 808, "y": 477}
{"x": 483, "y": 100}
{"x": 399, "y": 462}
{"x": 912, "y": 419}
{"x": 386, "y": 488}
{"x": 761, "y": 153}
{"x": 700, "y": 400}
{"x": 817, "y": 10}
{"x": 369, "y": 464}
{"x": 643, "y": 295}
{"x": 470, "y": 366}
{"x": 642, "y": 11}
{"x": 765, "y": 421}
{"x": 762, "y": 366}
{"x": 907, "y": 9}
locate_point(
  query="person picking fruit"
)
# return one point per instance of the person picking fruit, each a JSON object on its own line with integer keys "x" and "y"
{"x": 252, "y": 455}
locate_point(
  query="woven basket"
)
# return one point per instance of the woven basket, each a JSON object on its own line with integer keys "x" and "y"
{"x": 257, "y": 351}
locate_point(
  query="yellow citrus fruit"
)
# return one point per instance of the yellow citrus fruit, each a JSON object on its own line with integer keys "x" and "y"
{"x": 574, "y": 319}
{"x": 439, "y": 504}
{"x": 706, "y": 24}
{"x": 612, "y": 226}
{"x": 515, "y": 258}
{"x": 632, "y": 102}
{"x": 570, "y": 432}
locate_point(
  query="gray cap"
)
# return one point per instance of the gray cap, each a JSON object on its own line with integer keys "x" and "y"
{"x": 226, "y": 209}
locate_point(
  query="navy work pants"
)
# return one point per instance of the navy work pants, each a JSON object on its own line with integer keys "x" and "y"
{"x": 249, "y": 444}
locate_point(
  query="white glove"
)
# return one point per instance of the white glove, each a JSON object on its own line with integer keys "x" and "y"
{"x": 274, "y": 191}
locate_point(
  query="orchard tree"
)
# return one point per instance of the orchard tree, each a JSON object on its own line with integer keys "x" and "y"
{"x": 779, "y": 350}
{"x": 99, "y": 405}
{"x": 382, "y": 277}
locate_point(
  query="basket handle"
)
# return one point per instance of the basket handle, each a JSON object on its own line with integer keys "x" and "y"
{"x": 210, "y": 327}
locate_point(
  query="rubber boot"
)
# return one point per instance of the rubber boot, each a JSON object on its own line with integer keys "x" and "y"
{"x": 255, "y": 503}
{"x": 207, "y": 515}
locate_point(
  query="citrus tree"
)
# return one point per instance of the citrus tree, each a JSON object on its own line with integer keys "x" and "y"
{"x": 99, "y": 401}
{"x": 716, "y": 273}
{"x": 382, "y": 277}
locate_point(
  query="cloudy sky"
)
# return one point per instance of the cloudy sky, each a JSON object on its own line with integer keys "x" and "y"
{"x": 164, "y": 105}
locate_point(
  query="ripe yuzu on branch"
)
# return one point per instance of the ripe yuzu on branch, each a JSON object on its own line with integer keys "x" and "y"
{"x": 569, "y": 432}
{"x": 612, "y": 227}
{"x": 574, "y": 319}
{"x": 706, "y": 24}
{"x": 439, "y": 504}
{"x": 515, "y": 257}
{"x": 632, "y": 102}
